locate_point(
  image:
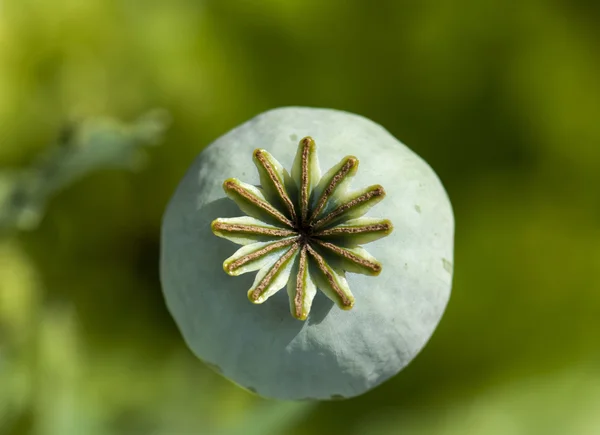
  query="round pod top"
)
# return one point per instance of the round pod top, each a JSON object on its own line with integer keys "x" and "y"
{"x": 323, "y": 317}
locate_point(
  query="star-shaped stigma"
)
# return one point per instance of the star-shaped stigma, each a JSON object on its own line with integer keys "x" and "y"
{"x": 302, "y": 230}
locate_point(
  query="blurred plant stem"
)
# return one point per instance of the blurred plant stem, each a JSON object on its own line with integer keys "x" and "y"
{"x": 83, "y": 147}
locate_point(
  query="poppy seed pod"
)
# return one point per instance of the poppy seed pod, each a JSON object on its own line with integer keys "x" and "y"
{"x": 302, "y": 231}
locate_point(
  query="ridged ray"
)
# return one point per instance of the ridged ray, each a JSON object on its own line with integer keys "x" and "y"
{"x": 353, "y": 206}
{"x": 245, "y": 230}
{"x": 356, "y": 231}
{"x": 253, "y": 257}
{"x": 273, "y": 181}
{"x": 331, "y": 282}
{"x": 301, "y": 287}
{"x": 332, "y": 185}
{"x": 356, "y": 260}
{"x": 270, "y": 279}
{"x": 251, "y": 201}
{"x": 306, "y": 174}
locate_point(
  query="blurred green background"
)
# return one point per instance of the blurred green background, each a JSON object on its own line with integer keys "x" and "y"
{"x": 501, "y": 98}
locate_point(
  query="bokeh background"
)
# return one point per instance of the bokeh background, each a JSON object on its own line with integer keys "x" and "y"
{"x": 501, "y": 98}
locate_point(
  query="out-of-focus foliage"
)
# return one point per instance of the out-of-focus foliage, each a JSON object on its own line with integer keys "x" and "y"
{"x": 501, "y": 98}
{"x": 91, "y": 145}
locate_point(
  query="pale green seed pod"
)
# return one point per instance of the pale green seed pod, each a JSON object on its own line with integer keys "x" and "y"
{"x": 303, "y": 231}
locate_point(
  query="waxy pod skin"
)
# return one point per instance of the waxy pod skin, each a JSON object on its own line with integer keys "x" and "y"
{"x": 307, "y": 254}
